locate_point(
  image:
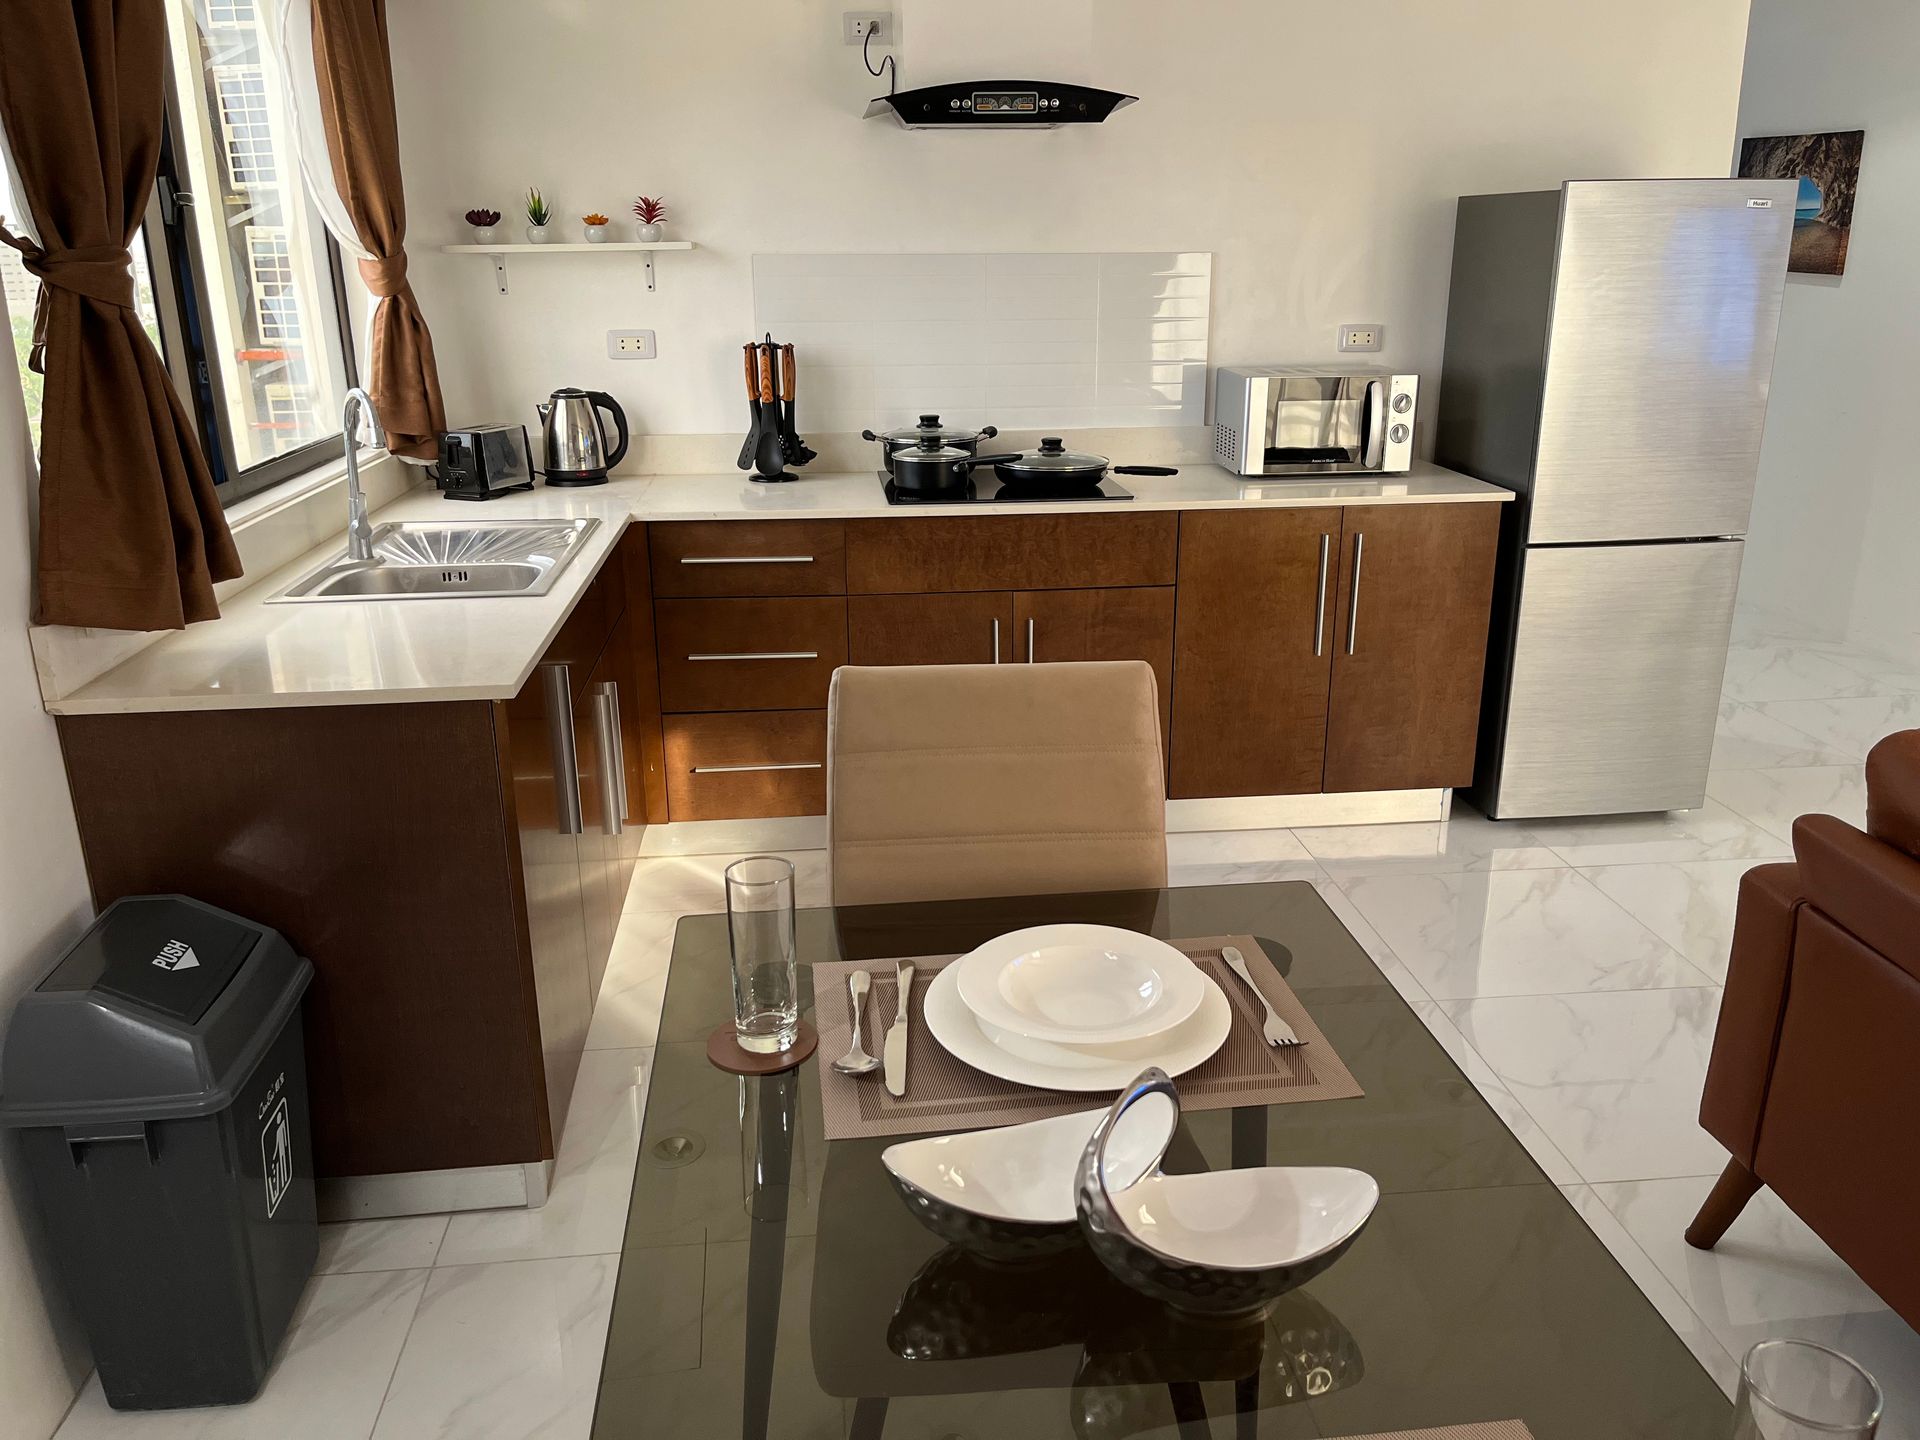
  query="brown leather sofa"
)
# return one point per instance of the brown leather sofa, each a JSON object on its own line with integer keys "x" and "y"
{"x": 1814, "y": 1084}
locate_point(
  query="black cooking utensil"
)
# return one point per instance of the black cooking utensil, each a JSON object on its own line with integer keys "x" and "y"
{"x": 768, "y": 461}
{"x": 791, "y": 445}
{"x": 751, "y": 445}
{"x": 1054, "y": 467}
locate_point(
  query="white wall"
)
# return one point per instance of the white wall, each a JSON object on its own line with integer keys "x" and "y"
{"x": 43, "y": 904}
{"x": 1315, "y": 149}
{"x": 1837, "y": 511}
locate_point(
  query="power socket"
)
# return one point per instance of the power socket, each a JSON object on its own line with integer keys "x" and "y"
{"x": 631, "y": 345}
{"x": 856, "y": 25}
{"x": 1362, "y": 337}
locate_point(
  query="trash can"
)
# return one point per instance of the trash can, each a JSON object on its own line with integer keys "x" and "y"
{"x": 158, "y": 1081}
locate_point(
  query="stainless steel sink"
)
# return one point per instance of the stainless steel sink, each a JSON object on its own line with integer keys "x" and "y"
{"x": 428, "y": 559}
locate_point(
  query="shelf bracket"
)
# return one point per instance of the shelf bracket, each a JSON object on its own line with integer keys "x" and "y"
{"x": 499, "y": 270}
{"x": 646, "y": 258}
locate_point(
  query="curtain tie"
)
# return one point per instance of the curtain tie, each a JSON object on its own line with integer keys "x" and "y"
{"x": 100, "y": 272}
{"x": 385, "y": 275}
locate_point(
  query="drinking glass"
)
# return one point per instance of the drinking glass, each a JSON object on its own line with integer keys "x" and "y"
{"x": 766, "y": 983}
{"x": 1796, "y": 1390}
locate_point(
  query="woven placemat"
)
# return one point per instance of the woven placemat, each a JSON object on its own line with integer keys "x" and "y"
{"x": 1491, "y": 1430}
{"x": 945, "y": 1093}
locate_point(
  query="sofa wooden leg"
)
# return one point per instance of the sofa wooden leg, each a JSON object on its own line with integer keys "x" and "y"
{"x": 1731, "y": 1192}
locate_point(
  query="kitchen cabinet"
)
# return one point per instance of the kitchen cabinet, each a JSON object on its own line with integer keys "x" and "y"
{"x": 1253, "y": 651}
{"x": 748, "y": 654}
{"x": 1121, "y": 623}
{"x": 1009, "y": 552}
{"x": 1330, "y": 649}
{"x": 970, "y": 627}
{"x": 1410, "y": 628}
{"x": 746, "y": 764}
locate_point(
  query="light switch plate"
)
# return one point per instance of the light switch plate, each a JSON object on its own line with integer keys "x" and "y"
{"x": 631, "y": 345}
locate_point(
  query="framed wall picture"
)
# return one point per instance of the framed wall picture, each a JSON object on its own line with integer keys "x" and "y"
{"x": 1828, "y": 169}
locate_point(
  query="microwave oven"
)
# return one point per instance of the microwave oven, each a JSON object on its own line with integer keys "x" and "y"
{"x": 1298, "y": 420}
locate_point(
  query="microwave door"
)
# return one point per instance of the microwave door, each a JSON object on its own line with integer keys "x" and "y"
{"x": 1374, "y": 436}
{"x": 1315, "y": 422}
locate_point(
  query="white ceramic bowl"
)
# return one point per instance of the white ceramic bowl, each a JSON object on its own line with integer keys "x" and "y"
{"x": 1080, "y": 984}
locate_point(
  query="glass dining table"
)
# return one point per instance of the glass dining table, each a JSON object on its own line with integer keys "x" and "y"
{"x": 773, "y": 1286}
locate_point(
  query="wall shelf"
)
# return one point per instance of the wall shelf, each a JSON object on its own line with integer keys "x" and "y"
{"x": 499, "y": 252}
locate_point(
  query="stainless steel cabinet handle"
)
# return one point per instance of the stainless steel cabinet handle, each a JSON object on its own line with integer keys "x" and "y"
{"x": 1320, "y": 599}
{"x": 736, "y": 769}
{"x": 1029, "y": 639}
{"x": 619, "y": 747}
{"x": 746, "y": 559}
{"x": 1353, "y": 600}
{"x": 558, "y": 688}
{"x": 996, "y": 639}
{"x": 762, "y": 655}
{"x": 606, "y": 730}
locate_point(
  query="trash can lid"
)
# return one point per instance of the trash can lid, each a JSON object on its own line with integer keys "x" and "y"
{"x": 160, "y": 1010}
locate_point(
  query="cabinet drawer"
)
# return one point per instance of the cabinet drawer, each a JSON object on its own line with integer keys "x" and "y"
{"x": 749, "y": 557}
{"x": 970, "y": 627}
{"x": 740, "y": 767}
{"x": 748, "y": 654}
{"x": 1010, "y": 552}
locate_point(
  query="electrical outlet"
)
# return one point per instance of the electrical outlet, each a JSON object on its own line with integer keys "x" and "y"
{"x": 1362, "y": 337}
{"x": 631, "y": 345}
{"x": 856, "y": 25}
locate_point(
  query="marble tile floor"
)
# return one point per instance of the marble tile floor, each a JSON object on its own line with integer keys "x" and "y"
{"x": 1571, "y": 968}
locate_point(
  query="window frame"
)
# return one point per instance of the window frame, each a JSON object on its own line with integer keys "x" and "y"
{"x": 180, "y": 279}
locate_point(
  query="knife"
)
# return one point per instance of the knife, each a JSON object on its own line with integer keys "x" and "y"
{"x": 896, "y": 1046}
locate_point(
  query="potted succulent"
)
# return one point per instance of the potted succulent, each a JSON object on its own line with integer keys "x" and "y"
{"x": 651, "y": 213}
{"x": 483, "y": 220}
{"x": 596, "y": 224}
{"x": 538, "y": 214}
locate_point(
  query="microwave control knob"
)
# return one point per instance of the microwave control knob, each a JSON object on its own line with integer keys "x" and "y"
{"x": 1398, "y": 434}
{"x": 1402, "y": 403}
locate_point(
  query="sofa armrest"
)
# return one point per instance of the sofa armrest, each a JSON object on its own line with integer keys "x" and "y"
{"x": 1751, "y": 1009}
{"x": 1867, "y": 888}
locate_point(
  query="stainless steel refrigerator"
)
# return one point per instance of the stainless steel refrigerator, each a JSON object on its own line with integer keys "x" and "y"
{"x": 1609, "y": 346}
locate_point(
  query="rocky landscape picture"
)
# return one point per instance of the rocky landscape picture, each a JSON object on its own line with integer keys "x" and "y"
{"x": 1828, "y": 169}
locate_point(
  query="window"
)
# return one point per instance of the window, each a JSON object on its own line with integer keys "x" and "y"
{"x": 256, "y": 276}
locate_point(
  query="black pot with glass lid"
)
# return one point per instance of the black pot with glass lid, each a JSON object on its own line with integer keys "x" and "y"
{"x": 930, "y": 470}
{"x": 892, "y": 442}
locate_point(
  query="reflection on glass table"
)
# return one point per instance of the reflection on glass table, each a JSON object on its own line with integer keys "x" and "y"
{"x": 1476, "y": 1293}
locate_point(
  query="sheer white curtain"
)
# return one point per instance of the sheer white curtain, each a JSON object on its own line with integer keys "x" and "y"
{"x": 289, "y": 31}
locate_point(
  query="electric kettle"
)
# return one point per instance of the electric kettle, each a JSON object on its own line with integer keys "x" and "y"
{"x": 571, "y": 440}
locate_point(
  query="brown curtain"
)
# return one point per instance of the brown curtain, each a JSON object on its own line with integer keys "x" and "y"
{"x": 131, "y": 532}
{"x": 354, "y": 67}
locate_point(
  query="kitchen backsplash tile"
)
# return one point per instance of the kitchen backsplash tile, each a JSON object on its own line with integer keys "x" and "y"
{"x": 1025, "y": 341}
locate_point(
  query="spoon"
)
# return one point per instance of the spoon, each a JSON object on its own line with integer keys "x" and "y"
{"x": 856, "y": 1061}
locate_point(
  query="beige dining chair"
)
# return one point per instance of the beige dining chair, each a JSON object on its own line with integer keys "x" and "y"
{"x": 956, "y": 781}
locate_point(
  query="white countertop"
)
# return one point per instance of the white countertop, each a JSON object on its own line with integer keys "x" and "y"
{"x": 258, "y": 655}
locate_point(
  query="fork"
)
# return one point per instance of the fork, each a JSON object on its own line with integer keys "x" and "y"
{"x": 1279, "y": 1034}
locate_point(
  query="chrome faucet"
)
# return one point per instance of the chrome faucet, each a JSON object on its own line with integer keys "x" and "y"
{"x": 359, "y": 528}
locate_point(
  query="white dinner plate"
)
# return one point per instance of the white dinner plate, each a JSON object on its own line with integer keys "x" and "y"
{"x": 1079, "y": 984}
{"x": 1042, "y": 1064}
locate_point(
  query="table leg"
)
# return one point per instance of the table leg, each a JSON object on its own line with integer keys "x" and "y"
{"x": 1189, "y": 1410}
{"x": 869, "y": 1418}
{"x": 1249, "y": 1137}
{"x": 1246, "y": 1407}
{"x": 770, "y": 1175}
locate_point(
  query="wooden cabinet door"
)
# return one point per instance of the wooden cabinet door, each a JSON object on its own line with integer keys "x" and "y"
{"x": 1249, "y": 681}
{"x": 1410, "y": 628}
{"x": 1127, "y": 623}
{"x": 539, "y": 757}
{"x": 604, "y": 832}
{"x": 970, "y": 628}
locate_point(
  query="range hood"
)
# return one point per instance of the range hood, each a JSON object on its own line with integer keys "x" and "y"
{"x": 999, "y": 104}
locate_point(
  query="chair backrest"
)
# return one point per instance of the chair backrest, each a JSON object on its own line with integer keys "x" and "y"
{"x": 1893, "y": 792}
{"x": 958, "y": 781}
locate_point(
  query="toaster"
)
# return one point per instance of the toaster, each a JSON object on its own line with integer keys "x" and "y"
{"x": 483, "y": 461}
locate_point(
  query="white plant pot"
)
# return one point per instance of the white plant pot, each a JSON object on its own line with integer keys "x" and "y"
{"x": 539, "y": 234}
{"x": 596, "y": 234}
{"x": 649, "y": 233}
{"x": 483, "y": 234}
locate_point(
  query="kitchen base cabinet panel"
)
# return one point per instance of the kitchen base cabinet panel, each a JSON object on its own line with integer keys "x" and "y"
{"x": 764, "y": 654}
{"x": 1132, "y": 622}
{"x": 747, "y": 766}
{"x": 1410, "y": 621}
{"x": 1253, "y": 651}
{"x": 971, "y": 627}
{"x": 1010, "y": 552}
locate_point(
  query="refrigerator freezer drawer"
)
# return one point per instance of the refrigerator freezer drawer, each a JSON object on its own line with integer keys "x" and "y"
{"x": 1618, "y": 657}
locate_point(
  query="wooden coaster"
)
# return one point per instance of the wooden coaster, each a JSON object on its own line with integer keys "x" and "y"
{"x": 724, "y": 1052}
